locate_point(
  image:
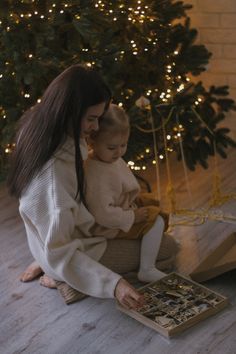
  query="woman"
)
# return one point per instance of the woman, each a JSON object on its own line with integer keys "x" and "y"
{"x": 47, "y": 176}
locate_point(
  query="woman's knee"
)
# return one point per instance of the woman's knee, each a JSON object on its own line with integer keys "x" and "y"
{"x": 168, "y": 248}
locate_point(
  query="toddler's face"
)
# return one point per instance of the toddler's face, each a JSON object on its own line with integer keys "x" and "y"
{"x": 108, "y": 147}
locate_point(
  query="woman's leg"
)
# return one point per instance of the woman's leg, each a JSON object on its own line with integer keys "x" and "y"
{"x": 122, "y": 255}
{"x": 168, "y": 248}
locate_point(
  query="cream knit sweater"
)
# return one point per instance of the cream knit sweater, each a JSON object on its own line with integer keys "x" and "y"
{"x": 111, "y": 189}
{"x": 59, "y": 228}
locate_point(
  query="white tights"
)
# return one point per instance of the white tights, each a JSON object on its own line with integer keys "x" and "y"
{"x": 150, "y": 246}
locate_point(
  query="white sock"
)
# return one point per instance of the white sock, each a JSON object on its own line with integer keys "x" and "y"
{"x": 150, "y": 246}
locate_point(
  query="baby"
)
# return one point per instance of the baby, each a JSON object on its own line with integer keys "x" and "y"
{"x": 113, "y": 194}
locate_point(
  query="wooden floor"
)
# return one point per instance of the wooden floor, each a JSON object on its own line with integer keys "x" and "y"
{"x": 34, "y": 320}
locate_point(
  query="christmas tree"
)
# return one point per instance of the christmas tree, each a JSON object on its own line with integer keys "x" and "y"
{"x": 143, "y": 48}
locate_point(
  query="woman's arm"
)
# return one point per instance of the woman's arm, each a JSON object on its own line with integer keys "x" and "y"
{"x": 66, "y": 256}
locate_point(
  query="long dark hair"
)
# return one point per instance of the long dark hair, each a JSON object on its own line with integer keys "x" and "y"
{"x": 44, "y": 127}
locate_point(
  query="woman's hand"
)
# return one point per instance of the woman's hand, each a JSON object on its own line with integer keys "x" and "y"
{"x": 127, "y": 295}
{"x": 140, "y": 214}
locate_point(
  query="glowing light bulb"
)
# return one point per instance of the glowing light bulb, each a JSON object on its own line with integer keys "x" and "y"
{"x": 130, "y": 163}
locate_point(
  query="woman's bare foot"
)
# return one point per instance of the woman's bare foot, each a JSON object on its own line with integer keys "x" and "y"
{"x": 48, "y": 282}
{"x": 31, "y": 272}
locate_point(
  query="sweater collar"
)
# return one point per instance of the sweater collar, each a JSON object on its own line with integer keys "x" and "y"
{"x": 67, "y": 151}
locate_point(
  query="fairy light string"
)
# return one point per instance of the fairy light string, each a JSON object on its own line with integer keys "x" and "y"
{"x": 157, "y": 168}
{"x": 144, "y": 104}
{"x": 184, "y": 163}
{"x": 170, "y": 187}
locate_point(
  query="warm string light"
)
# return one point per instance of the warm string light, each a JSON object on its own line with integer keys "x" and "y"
{"x": 142, "y": 165}
{"x": 15, "y": 17}
{"x": 138, "y": 13}
{"x": 9, "y": 148}
{"x": 132, "y": 166}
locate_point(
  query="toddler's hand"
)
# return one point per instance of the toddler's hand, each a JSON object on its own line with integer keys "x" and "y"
{"x": 141, "y": 214}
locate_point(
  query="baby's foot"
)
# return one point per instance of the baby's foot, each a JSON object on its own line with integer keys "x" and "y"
{"x": 48, "y": 282}
{"x": 31, "y": 272}
{"x": 150, "y": 275}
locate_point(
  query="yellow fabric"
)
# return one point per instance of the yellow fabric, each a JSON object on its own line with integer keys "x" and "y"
{"x": 138, "y": 230}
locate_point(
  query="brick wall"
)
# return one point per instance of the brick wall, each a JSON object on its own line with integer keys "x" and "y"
{"x": 216, "y": 23}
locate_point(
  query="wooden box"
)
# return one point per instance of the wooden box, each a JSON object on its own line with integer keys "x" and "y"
{"x": 219, "y": 261}
{"x": 175, "y": 303}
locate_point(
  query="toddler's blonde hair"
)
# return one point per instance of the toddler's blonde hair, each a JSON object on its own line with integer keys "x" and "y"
{"x": 114, "y": 121}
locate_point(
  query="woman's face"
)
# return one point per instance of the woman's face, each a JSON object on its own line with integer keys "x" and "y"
{"x": 90, "y": 119}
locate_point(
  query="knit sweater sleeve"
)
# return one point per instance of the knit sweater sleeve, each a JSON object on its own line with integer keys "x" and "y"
{"x": 71, "y": 264}
{"x": 109, "y": 215}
